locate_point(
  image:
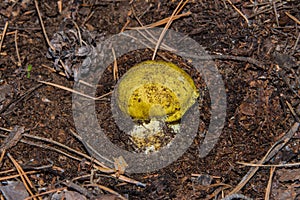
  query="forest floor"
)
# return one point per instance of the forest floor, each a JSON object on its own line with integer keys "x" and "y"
{"x": 255, "y": 45}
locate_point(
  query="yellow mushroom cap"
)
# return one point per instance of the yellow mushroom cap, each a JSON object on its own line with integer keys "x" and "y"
{"x": 156, "y": 89}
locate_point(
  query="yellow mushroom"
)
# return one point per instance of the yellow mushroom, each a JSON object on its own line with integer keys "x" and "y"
{"x": 156, "y": 89}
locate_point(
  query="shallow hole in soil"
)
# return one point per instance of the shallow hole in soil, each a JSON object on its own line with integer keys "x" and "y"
{"x": 107, "y": 84}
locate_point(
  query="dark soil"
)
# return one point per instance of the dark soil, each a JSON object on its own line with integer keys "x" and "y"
{"x": 262, "y": 99}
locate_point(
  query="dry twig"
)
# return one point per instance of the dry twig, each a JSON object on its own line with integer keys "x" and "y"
{"x": 20, "y": 98}
{"x": 42, "y": 25}
{"x": 74, "y": 91}
{"x": 262, "y": 165}
{"x": 17, "y": 49}
{"x": 3, "y": 35}
{"x": 26, "y": 181}
{"x": 47, "y": 192}
{"x": 106, "y": 189}
{"x": 268, "y": 189}
{"x": 235, "y": 8}
{"x": 14, "y": 176}
{"x": 292, "y": 17}
{"x": 99, "y": 166}
{"x": 270, "y": 154}
{"x": 160, "y": 22}
{"x": 13, "y": 138}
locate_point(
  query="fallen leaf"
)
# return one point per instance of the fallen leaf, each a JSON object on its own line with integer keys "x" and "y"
{"x": 14, "y": 190}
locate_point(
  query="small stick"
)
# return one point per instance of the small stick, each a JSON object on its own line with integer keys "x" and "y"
{"x": 53, "y": 70}
{"x": 217, "y": 191}
{"x": 292, "y": 17}
{"x": 63, "y": 74}
{"x": 57, "y": 150}
{"x": 17, "y": 49}
{"x": 42, "y": 25}
{"x": 16, "y": 101}
{"x": 296, "y": 43}
{"x": 59, "y": 5}
{"x": 76, "y": 92}
{"x": 3, "y": 35}
{"x": 227, "y": 57}
{"x": 78, "y": 30}
{"x": 262, "y": 165}
{"x": 22, "y": 174}
{"x": 160, "y": 22}
{"x": 276, "y": 14}
{"x": 236, "y": 196}
{"x": 15, "y": 176}
{"x": 125, "y": 25}
{"x": 2, "y": 155}
{"x": 11, "y": 33}
{"x": 246, "y": 19}
{"x": 292, "y": 111}
{"x": 268, "y": 189}
{"x": 129, "y": 180}
{"x": 19, "y": 28}
{"x": 88, "y": 18}
{"x": 90, "y": 147}
{"x": 47, "y": 192}
{"x": 63, "y": 146}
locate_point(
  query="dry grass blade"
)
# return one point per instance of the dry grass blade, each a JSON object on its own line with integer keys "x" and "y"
{"x": 154, "y": 39}
{"x": 3, "y": 35}
{"x": 115, "y": 71}
{"x": 161, "y": 22}
{"x": 175, "y": 12}
{"x": 74, "y": 91}
{"x": 268, "y": 189}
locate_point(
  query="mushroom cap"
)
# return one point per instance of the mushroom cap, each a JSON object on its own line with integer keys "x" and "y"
{"x": 156, "y": 89}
